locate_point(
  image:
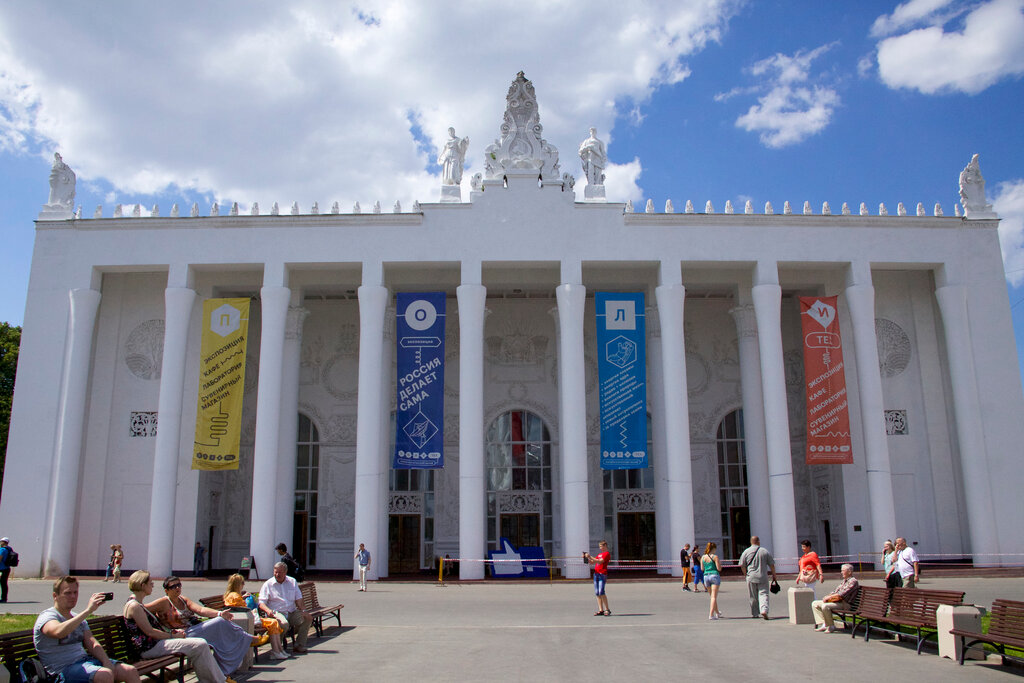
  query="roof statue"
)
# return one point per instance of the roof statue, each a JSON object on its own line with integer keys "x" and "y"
{"x": 61, "y": 202}
{"x": 594, "y": 158}
{"x": 521, "y": 150}
{"x": 972, "y": 192}
{"x": 451, "y": 160}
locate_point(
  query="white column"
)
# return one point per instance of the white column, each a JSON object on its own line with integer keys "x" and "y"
{"x": 472, "y": 493}
{"x": 671, "y": 298}
{"x": 274, "y": 311}
{"x": 667, "y": 555}
{"x": 767, "y": 296}
{"x": 284, "y": 509}
{"x": 178, "y": 304}
{"x": 754, "y": 443}
{"x": 575, "y": 519}
{"x": 70, "y": 430}
{"x": 860, "y": 297}
{"x": 373, "y": 301}
{"x": 387, "y": 385}
{"x": 981, "y": 520}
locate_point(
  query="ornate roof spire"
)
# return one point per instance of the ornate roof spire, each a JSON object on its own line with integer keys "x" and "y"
{"x": 521, "y": 150}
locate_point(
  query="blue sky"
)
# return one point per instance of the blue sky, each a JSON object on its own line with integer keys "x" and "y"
{"x": 315, "y": 101}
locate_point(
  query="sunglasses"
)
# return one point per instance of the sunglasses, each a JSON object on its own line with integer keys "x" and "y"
{"x": 174, "y": 586}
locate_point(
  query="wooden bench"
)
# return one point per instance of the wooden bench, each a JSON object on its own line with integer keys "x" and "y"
{"x": 217, "y": 602}
{"x": 914, "y": 608}
{"x": 112, "y": 634}
{"x": 311, "y": 604}
{"x": 1006, "y": 627}
{"x": 870, "y": 602}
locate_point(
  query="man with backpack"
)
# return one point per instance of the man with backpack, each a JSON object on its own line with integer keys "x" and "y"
{"x": 8, "y": 559}
{"x": 295, "y": 569}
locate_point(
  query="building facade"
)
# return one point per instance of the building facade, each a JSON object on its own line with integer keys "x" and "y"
{"x": 104, "y": 412}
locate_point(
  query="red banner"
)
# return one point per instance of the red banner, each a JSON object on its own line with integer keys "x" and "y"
{"x": 828, "y": 417}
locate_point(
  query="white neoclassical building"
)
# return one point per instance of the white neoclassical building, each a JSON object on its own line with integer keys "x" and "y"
{"x": 105, "y": 405}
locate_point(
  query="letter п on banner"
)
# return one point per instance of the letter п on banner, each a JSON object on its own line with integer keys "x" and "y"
{"x": 419, "y": 422}
{"x": 828, "y": 417}
{"x": 221, "y": 384}
{"x": 622, "y": 373}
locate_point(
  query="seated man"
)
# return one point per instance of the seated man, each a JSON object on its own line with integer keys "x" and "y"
{"x": 65, "y": 645}
{"x": 281, "y": 596}
{"x": 837, "y": 599}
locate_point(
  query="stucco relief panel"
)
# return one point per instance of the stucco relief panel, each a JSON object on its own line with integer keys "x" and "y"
{"x": 144, "y": 349}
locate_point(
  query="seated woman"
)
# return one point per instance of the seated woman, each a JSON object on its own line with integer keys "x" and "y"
{"x": 153, "y": 641}
{"x": 229, "y": 641}
{"x": 235, "y": 596}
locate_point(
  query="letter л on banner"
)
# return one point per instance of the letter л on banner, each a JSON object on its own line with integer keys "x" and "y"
{"x": 622, "y": 373}
{"x": 419, "y": 422}
{"x": 828, "y": 417}
{"x": 221, "y": 384}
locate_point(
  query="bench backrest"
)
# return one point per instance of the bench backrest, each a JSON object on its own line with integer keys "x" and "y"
{"x": 873, "y": 601}
{"x": 920, "y": 605}
{"x": 213, "y": 602}
{"x": 15, "y": 647}
{"x": 309, "y": 599}
{"x": 1007, "y": 620}
{"x": 112, "y": 634}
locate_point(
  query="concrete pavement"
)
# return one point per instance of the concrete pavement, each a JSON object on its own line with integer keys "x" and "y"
{"x": 539, "y": 631}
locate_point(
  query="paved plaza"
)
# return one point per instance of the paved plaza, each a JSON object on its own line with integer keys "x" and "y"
{"x": 542, "y": 631}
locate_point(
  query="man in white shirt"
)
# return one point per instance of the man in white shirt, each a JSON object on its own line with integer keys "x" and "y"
{"x": 281, "y": 596}
{"x": 907, "y": 563}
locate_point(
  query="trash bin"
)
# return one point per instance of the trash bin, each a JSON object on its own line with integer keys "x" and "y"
{"x": 800, "y": 600}
{"x": 963, "y": 618}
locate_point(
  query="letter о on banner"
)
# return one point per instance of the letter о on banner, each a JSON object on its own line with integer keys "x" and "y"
{"x": 419, "y": 421}
{"x": 622, "y": 373}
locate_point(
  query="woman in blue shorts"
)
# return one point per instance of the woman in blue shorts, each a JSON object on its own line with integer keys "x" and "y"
{"x": 712, "y": 567}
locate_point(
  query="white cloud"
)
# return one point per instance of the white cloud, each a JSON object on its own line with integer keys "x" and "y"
{"x": 621, "y": 181}
{"x": 311, "y": 100}
{"x": 989, "y": 48}
{"x": 791, "y": 109}
{"x": 907, "y": 14}
{"x": 1009, "y": 204}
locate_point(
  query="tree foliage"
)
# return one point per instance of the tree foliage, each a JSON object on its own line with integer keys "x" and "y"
{"x": 10, "y": 340}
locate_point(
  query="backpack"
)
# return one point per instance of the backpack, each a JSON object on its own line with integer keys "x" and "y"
{"x": 12, "y": 557}
{"x": 31, "y": 671}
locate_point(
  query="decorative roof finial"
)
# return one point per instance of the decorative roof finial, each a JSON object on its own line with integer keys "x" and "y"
{"x": 60, "y": 205}
{"x": 521, "y": 150}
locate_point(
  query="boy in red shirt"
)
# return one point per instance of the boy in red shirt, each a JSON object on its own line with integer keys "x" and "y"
{"x": 600, "y": 562}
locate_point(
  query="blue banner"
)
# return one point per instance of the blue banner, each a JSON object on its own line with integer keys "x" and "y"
{"x": 419, "y": 422}
{"x": 621, "y": 370}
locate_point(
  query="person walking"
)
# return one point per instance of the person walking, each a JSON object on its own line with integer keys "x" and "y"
{"x": 600, "y": 564}
{"x": 712, "y": 570}
{"x": 364, "y": 559}
{"x": 758, "y": 564}
{"x": 117, "y": 558}
{"x": 698, "y": 570}
{"x": 906, "y": 564}
{"x": 5, "y": 566}
{"x": 684, "y": 562}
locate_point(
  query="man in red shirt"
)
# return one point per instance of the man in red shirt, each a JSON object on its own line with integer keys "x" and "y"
{"x": 600, "y": 562}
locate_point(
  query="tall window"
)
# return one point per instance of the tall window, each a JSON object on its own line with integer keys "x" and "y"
{"x": 519, "y": 480}
{"x": 732, "y": 480}
{"x": 421, "y": 481}
{"x": 307, "y": 484}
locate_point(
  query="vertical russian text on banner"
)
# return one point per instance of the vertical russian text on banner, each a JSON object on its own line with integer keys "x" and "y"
{"x": 828, "y": 418}
{"x": 622, "y": 377}
{"x": 419, "y": 421}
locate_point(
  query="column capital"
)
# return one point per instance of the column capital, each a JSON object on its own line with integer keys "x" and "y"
{"x": 294, "y": 321}
{"x": 746, "y": 320}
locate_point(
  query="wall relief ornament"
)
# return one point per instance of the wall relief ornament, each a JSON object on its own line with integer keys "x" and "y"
{"x": 143, "y": 423}
{"x": 893, "y": 347}
{"x": 896, "y": 423}
{"x": 824, "y": 497}
{"x": 513, "y": 502}
{"x": 406, "y": 503}
{"x": 634, "y": 501}
{"x": 144, "y": 349}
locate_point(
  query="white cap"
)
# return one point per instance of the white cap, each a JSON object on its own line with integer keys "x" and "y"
{"x": 5, "y": 540}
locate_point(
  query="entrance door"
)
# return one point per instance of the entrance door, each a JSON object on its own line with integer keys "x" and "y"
{"x": 404, "y": 544}
{"x": 521, "y": 530}
{"x": 739, "y": 521}
{"x": 636, "y": 536}
{"x": 300, "y": 537}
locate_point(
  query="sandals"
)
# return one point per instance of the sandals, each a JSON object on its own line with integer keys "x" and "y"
{"x": 605, "y": 613}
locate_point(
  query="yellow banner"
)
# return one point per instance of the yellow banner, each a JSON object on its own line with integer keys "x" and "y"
{"x": 221, "y": 384}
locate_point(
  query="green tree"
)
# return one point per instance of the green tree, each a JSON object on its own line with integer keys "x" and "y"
{"x": 10, "y": 340}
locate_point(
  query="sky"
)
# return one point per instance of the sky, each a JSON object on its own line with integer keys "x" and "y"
{"x": 315, "y": 101}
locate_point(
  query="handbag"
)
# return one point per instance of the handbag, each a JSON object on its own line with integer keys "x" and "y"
{"x": 775, "y": 587}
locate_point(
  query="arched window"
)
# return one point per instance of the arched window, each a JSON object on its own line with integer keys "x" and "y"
{"x": 307, "y": 485}
{"x": 732, "y": 482}
{"x": 519, "y": 481}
